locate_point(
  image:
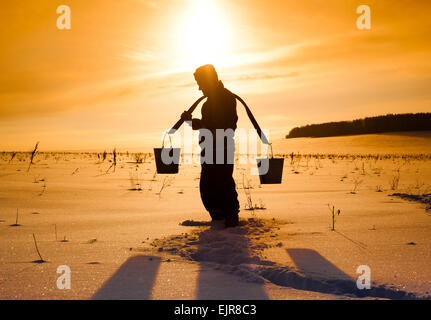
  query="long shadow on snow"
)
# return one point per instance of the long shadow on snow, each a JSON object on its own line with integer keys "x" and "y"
{"x": 315, "y": 273}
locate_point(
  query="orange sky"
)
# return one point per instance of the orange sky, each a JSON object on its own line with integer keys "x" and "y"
{"x": 124, "y": 73}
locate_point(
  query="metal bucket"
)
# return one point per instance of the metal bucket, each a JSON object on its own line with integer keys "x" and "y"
{"x": 167, "y": 159}
{"x": 270, "y": 169}
{"x": 172, "y": 158}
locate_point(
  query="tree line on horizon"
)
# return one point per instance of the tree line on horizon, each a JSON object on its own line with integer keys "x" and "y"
{"x": 379, "y": 124}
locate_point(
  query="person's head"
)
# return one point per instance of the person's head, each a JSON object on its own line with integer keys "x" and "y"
{"x": 206, "y": 78}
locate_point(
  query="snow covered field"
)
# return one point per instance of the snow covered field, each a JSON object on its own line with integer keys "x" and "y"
{"x": 133, "y": 234}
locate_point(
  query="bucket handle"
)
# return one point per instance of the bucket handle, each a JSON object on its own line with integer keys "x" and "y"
{"x": 272, "y": 152}
{"x": 170, "y": 139}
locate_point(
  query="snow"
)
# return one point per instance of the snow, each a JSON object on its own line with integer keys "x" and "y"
{"x": 156, "y": 242}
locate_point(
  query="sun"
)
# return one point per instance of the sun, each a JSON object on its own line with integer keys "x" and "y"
{"x": 203, "y": 35}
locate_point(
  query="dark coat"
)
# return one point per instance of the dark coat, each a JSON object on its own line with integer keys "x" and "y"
{"x": 218, "y": 112}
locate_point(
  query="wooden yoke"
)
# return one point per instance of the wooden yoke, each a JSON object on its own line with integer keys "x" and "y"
{"x": 247, "y": 109}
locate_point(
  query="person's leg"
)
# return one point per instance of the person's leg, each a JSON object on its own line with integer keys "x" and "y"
{"x": 209, "y": 191}
{"x": 218, "y": 190}
{"x": 230, "y": 195}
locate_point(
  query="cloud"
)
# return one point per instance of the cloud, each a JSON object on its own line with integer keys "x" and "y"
{"x": 304, "y": 59}
{"x": 266, "y": 76}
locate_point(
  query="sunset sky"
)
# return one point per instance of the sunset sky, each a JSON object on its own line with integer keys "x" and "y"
{"x": 124, "y": 72}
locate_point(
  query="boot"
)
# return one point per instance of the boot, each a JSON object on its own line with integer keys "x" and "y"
{"x": 232, "y": 220}
{"x": 216, "y": 215}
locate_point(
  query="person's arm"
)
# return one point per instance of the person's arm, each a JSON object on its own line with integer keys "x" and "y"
{"x": 197, "y": 124}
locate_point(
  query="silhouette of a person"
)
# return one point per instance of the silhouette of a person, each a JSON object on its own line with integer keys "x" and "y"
{"x": 217, "y": 186}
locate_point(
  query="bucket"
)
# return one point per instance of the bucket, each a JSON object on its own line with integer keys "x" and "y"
{"x": 167, "y": 159}
{"x": 270, "y": 169}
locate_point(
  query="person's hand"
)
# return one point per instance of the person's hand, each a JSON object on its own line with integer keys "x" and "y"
{"x": 186, "y": 116}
